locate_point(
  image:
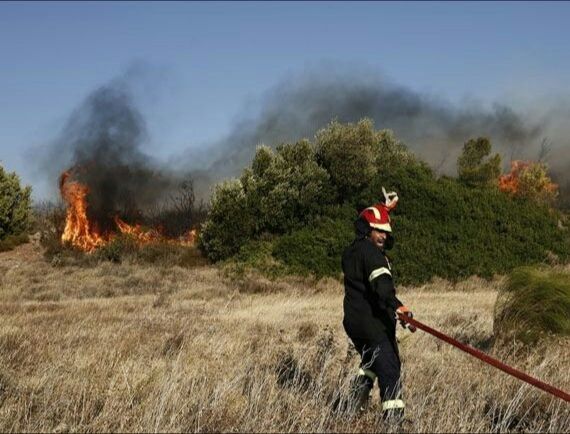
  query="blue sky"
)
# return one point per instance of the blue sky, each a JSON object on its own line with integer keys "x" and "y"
{"x": 210, "y": 59}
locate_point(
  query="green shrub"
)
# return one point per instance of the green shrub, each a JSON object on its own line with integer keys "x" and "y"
{"x": 291, "y": 188}
{"x": 348, "y": 153}
{"x": 255, "y": 255}
{"x": 14, "y": 205}
{"x": 281, "y": 192}
{"x": 446, "y": 229}
{"x": 534, "y": 303}
{"x": 230, "y": 224}
{"x": 297, "y": 206}
{"x": 315, "y": 249}
{"x": 472, "y": 167}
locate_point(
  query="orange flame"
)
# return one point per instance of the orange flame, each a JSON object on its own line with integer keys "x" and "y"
{"x": 78, "y": 231}
{"x": 82, "y": 234}
{"x": 190, "y": 238}
{"x": 138, "y": 233}
{"x": 511, "y": 182}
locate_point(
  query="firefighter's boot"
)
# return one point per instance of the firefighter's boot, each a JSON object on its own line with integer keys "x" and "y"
{"x": 393, "y": 411}
{"x": 360, "y": 391}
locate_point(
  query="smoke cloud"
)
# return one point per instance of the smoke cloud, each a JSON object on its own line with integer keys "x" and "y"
{"x": 431, "y": 127}
{"x": 102, "y": 138}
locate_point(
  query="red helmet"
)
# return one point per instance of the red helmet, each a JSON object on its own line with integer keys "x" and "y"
{"x": 377, "y": 217}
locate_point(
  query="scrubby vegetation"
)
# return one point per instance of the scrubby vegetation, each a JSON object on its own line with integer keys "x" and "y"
{"x": 14, "y": 210}
{"x": 298, "y": 204}
{"x": 138, "y": 338}
{"x": 534, "y": 304}
{"x": 12, "y": 241}
{"x": 124, "y": 248}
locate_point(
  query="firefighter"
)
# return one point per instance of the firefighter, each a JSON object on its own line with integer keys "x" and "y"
{"x": 370, "y": 307}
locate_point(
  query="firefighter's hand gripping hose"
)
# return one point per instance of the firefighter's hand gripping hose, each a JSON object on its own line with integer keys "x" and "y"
{"x": 403, "y": 310}
{"x": 403, "y": 317}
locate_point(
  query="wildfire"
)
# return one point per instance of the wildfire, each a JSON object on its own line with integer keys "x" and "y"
{"x": 85, "y": 235}
{"x": 524, "y": 172}
{"x": 509, "y": 183}
{"x": 78, "y": 230}
{"x": 137, "y": 232}
{"x": 153, "y": 235}
{"x": 190, "y": 238}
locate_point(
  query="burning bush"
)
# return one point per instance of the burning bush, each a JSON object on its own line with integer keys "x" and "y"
{"x": 534, "y": 303}
{"x": 162, "y": 235}
{"x": 529, "y": 180}
{"x": 83, "y": 231}
{"x": 14, "y": 208}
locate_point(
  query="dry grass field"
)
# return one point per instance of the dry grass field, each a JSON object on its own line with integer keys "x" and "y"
{"x": 127, "y": 347}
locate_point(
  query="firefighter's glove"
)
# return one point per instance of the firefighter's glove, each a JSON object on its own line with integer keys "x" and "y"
{"x": 403, "y": 310}
{"x": 390, "y": 199}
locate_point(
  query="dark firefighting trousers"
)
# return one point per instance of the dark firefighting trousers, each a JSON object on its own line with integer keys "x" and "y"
{"x": 381, "y": 361}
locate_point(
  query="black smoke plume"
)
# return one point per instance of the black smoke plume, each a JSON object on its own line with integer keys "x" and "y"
{"x": 101, "y": 143}
{"x": 432, "y": 127}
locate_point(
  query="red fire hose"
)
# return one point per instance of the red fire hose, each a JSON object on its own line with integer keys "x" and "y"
{"x": 487, "y": 359}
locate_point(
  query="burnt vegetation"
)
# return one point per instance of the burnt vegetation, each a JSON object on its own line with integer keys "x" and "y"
{"x": 179, "y": 212}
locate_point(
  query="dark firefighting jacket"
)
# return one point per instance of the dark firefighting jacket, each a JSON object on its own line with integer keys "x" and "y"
{"x": 370, "y": 301}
